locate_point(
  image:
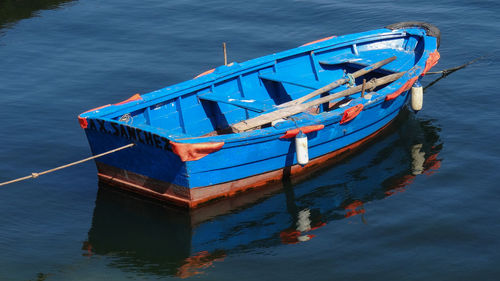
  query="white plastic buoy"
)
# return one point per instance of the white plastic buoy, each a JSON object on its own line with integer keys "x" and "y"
{"x": 417, "y": 96}
{"x": 301, "y": 148}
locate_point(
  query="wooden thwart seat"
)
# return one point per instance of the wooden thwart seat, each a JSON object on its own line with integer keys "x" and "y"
{"x": 301, "y": 107}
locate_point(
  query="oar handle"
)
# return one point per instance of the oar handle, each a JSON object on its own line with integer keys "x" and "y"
{"x": 339, "y": 82}
{"x": 292, "y": 110}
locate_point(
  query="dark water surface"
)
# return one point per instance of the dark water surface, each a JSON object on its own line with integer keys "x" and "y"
{"x": 421, "y": 203}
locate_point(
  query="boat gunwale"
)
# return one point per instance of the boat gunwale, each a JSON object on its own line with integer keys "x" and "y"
{"x": 188, "y": 86}
{"x": 325, "y": 118}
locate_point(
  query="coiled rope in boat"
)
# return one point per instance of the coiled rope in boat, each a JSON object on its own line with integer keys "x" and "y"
{"x": 36, "y": 175}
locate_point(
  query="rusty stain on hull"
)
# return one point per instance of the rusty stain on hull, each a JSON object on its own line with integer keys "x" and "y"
{"x": 195, "y": 197}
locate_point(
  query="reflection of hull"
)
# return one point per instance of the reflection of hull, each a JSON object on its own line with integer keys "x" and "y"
{"x": 151, "y": 237}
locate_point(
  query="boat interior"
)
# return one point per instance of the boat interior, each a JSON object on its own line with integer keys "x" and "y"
{"x": 240, "y": 91}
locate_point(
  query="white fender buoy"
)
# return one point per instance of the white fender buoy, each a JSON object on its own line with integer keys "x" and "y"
{"x": 301, "y": 148}
{"x": 417, "y": 96}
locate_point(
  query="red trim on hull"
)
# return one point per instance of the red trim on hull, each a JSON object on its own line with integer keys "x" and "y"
{"x": 305, "y": 130}
{"x": 351, "y": 113}
{"x": 195, "y": 151}
{"x": 93, "y": 109}
{"x": 431, "y": 61}
{"x": 194, "y": 197}
{"x": 205, "y": 73}
{"x": 404, "y": 88}
{"x": 317, "y": 41}
{"x": 83, "y": 122}
{"x": 132, "y": 98}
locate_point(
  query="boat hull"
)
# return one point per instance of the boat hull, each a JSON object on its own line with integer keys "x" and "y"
{"x": 183, "y": 152}
{"x": 194, "y": 197}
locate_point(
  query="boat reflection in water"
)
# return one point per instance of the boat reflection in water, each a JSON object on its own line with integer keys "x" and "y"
{"x": 143, "y": 236}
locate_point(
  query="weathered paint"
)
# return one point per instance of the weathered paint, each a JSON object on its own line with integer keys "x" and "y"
{"x": 135, "y": 97}
{"x": 182, "y": 151}
{"x": 195, "y": 151}
{"x": 351, "y": 113}
{"x": 404, "y": 88}
{"x": 205, "y": 73}
{"x": 431, "y": 61}
{"x": 317, "y": 41}
{"x": 190, "y": 198}
{"x": 307, "y": 129}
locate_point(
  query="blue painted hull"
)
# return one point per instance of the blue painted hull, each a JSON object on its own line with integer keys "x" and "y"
{"x": 181, "y": 152}
{"x": 164, "y": 241}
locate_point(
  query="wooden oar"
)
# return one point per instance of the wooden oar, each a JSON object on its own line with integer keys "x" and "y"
{"x": 298, "y": 108}
{"x": 337, "y": 83}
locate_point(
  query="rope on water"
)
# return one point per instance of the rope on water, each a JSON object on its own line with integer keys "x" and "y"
{"x": 446, "y": 72}
{"x": 36, "y": 175}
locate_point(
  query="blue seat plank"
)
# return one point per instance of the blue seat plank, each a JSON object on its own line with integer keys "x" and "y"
{"x": 314, "y": 85}
{"x": 249, "y": 104}
{"x": 370, "y": 57}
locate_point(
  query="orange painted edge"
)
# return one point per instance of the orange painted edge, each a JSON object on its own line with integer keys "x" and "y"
{"x": 305, "y": 130}
{"x": 132, "y": 98}
{"x": 204, "y": 73}
{"x": 317, "y": 41}
{"x": 195, "y": 151}
{"x": 261, "y": 180}
{"x": 404, "y": 88}
{"x": 351, "y": 113}
{"x": 431, "y": 61}
{"x": 83, "y": 122}
{"x": 93, "y": 109}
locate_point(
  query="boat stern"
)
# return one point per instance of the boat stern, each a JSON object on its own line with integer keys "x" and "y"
{"x": 150, "y": 167}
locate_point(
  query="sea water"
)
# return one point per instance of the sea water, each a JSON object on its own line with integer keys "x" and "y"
{"x": 419, "y": 203}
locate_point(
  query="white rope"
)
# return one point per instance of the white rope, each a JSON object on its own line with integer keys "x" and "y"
{"x": 36, "y": 175}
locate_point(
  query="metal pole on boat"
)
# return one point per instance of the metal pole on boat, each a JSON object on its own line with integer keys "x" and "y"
{"x": 225, "y": 52}
{"x": 363, "y": 88}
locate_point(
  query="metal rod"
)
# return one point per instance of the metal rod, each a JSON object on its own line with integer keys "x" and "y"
{"x": 225, "y": 52}
{"x": 363, "y": 88}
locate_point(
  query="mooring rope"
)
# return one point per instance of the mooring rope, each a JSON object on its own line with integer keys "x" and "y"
{"x": 445, "y": 72}
{"x": 448, "y": 71}
{"x": 36, "y": 175}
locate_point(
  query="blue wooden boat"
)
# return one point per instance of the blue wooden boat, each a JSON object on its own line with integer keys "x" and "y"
{"x": 235, "y": 127}
{"x": 165, "y": 241}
